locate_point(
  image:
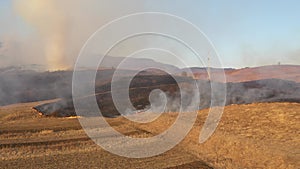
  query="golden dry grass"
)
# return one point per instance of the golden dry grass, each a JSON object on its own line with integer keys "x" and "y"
{"x": 262, "y": 135}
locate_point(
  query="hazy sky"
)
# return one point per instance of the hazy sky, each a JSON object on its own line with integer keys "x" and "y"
{"x": 245, "y": 33}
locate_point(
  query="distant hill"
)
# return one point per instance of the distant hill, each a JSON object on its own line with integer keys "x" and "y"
{"x": 135, "y": 63}
{"x": 284, "y": 72}
{"x": 19, "y": 84}
{"x": 23, "y": 68}
{"x": 266, "y": 90}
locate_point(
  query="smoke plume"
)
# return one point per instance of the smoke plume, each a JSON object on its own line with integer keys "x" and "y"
{"x": 51, "y": 22}
{"x": 64, "y": 26}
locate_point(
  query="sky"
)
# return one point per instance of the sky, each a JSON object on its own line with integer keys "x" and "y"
{"x": 244, "y": 33}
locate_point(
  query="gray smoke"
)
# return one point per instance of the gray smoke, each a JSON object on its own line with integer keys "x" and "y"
{"x": 58, "y": 29}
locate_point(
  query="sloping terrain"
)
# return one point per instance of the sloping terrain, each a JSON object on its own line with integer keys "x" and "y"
{"x": 139, "y": 91}
{"x": 260, "y": 135}
{"x": 20, "y": 86}
{"x": 267, "y": 90}
{"x": 283, "y": 72}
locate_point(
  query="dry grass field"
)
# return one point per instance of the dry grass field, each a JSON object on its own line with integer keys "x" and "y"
{"x": 260, "y": 135}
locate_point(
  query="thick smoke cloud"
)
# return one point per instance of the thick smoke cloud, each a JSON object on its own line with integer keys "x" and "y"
{"x": 51, "y": 22}
{"x": 62, "y": 27}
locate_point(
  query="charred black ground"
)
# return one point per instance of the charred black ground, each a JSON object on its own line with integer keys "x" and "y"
{"x": 248, "y": 85}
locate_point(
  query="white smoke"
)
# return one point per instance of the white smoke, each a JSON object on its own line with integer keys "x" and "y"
{"x": 64, "y": 26}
